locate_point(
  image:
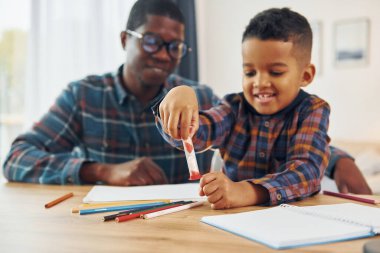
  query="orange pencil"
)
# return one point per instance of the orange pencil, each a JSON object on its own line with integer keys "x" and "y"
{"x": 59, "y": 200}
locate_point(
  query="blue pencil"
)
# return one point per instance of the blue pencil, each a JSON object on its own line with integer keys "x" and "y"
{"x": 118, "y": 208}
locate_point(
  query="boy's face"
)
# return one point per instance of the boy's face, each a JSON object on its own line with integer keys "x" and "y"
{"x": 272, "y": 76}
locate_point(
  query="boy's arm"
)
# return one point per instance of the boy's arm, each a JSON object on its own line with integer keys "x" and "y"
{"x": 43, "y": 155}
{"x": 214, "y": 125}
{"x": 307, "y": 157}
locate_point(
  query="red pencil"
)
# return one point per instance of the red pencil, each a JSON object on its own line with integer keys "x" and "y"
{"x": 348, "y": 196}
{"x": 139, "y": 214}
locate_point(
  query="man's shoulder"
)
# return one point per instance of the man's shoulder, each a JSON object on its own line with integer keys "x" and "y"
{"x": 94, "y": 81}
{"x": 176, "y": 80}
{"x": 205, "y": 94}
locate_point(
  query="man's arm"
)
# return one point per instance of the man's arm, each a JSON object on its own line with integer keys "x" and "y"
{"x": 348, "y": 177}
{"x": 44, "y": 154}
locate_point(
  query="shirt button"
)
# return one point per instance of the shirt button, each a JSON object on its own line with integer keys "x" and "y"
{"x": 279, "y": 197}
{"x": 262, "y": 154}
{"x": 266, "y": 123}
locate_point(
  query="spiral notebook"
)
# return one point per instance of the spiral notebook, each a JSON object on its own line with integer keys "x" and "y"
{"x": 288, "y": 226}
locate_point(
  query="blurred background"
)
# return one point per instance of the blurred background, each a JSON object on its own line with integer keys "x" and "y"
{"x": 45, "y": 44}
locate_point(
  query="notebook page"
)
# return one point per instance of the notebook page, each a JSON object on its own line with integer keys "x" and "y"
{"x": 281, "y": 228}
{"x": 100, "y": 193}
{"x": 350, "y": 211}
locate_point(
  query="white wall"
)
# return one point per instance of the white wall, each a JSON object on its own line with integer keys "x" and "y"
{"x": 353, "y": 92}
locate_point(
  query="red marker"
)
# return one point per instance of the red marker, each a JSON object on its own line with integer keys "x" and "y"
{"x": 191, "y": 159}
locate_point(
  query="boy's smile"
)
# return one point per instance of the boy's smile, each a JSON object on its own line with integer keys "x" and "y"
{"x": 272, "y": 76}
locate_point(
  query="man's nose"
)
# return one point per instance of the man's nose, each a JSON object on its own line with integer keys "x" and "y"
{"x": 162, "y": 54}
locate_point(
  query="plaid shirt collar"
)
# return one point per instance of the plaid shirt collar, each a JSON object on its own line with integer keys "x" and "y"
{"x": 122, "y": 94}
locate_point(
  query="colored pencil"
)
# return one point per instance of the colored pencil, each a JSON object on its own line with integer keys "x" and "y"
{"x": 172, "y": 210}
{"x": 134, "y": 210}
{"x": 118, "y": 203}
{"x": 118, "y": 208}
{"x": 141, "y": 213}
{"x": 121, "y": 203}
{"x": 59, "y": 200}
{"x": 348, "y": 196}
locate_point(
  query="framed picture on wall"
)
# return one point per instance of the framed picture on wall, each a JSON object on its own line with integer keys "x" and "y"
{"x": 316, "y": 53}
{"x": 351, "y": 43}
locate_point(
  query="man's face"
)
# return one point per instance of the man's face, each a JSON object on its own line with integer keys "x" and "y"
{"x": 272, "y": 77}
{"x": 152, "y": 69}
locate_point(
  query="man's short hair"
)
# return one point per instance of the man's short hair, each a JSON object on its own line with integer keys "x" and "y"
{"x": 142, "y": 8}
{"x": 285, "y": 25}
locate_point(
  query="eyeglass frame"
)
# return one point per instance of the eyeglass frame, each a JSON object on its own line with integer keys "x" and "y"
{"x": 164, "y": 43}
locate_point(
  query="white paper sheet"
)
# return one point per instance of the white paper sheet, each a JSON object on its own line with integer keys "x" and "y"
{"x": 168, "y": 191}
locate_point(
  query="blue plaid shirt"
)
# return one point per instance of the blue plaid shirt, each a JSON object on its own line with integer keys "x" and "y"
{"x": 97, "y": 120}
{"x": 287, "y": 152}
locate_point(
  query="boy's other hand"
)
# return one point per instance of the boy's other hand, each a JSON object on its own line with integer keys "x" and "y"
{"x": 179, "y": 112}
{"x": 223, "y": 193}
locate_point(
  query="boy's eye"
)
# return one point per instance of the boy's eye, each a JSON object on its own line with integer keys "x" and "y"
{"x": 250, "y": 73}
{"x": 276, "y": 73}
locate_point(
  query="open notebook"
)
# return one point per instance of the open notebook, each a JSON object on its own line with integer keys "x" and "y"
{"x": 104, "y": 193}
{"x": 288, "y": 226}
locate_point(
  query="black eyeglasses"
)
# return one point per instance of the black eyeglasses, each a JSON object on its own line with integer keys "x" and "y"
{"x": 152, "y": 43}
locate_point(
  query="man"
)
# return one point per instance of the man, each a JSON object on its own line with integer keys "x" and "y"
{"x": 101, "y": 129}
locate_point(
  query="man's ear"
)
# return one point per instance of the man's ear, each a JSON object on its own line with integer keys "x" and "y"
{"x": 308, "y": 75}
{"x": 123, "y": 39}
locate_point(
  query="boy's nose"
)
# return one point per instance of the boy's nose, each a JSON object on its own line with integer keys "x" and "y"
{"x": 261, "y": 81}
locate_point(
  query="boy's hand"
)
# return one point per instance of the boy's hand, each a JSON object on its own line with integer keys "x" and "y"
{"x": 179, "y": 110}
{"x": 223, "y": 193}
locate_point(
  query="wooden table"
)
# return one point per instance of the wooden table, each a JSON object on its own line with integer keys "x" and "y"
{"x": 26, "y": 226}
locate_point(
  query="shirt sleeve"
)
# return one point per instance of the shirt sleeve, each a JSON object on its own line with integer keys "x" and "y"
{"x": 336, "y": 154}
{"x": 307, "y": 158}
{"x": 45, "y": 153}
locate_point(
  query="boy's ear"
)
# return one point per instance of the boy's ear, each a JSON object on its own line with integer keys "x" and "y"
{"x": 123, "y": 39}
{"x": 308, "y": 75}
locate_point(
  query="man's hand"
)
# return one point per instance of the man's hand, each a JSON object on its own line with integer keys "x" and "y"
{"x": 223, "y": 193}
{"x": 142, "y": 171}
{"x": 349, "y": 178}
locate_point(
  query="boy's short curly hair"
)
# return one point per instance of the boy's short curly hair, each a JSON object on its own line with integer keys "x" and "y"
{"x": 285, "y": 25}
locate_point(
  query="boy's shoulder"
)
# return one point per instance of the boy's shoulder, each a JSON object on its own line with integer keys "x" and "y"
{"x": 314, "y": 102}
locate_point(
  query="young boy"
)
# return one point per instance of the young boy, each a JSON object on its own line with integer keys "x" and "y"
{"x": 272, "y": 136}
